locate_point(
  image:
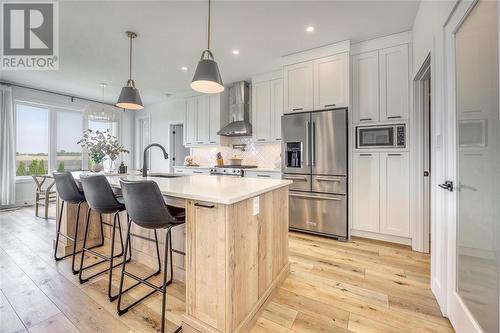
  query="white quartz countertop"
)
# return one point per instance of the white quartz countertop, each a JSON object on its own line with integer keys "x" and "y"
{"x": 206, "y": 168}
{"x": 217, "y": 189}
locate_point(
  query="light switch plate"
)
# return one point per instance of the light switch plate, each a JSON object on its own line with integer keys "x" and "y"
{"x": 256, "y": 208}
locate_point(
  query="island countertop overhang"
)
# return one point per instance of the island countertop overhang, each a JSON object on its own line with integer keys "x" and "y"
{"x": 210, "y": 188}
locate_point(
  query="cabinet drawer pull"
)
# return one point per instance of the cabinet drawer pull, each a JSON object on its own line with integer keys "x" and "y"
{"x": 297, "y": 109}
{"x": 200, "y": 142}
{"x": 213, "y": 141}
{"x": 278, "y": 139}
{"x": 197, "y": 171}
{"x": 261, "y": 139}
{"x": 365, "y": 119}
{"x": 393, "y": 154}
{"x": 329, "y": 105}
{"x": 393, "y": 117}
{"x": 204, "y": 206}
{"x": 267, "y": 176}
{"x": 365, "y": 154}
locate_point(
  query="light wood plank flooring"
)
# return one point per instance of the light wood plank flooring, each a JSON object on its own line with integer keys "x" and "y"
{"x": 359, "y": 286}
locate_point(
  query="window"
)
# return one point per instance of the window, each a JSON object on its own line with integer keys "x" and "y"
{"x": 69, "y": 131}
{"x": 32, "y": 140}
{"x": 103, "y": 126}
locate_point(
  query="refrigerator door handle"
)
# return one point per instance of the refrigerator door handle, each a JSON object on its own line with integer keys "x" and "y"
{"x": 306, "y": 150}
{"x": 328, "y": 179}
{"x": 314, "y": 196}
{"x": 313, "y": 145}
{"x": 304, "y": 178}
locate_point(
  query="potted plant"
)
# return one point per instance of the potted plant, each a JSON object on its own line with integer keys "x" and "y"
{"x": 99, "y": 146}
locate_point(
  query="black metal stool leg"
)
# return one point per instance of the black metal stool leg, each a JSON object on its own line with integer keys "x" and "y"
{"x": 84, "y": 245}
{"x": 120, "y": 291}
{"x": 115, "y": 218}
{"x": 58, "y": 233}
{"x": 75, "y": 238}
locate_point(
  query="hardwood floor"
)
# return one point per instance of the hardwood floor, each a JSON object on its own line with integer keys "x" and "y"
{"x": 359, "y": 286}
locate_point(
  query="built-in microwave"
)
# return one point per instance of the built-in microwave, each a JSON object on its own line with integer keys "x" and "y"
{"x": 381, "y": 136}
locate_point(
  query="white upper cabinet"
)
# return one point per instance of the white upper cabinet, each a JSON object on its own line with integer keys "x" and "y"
{"x": 203, "y": 119}
{"x": 298, "y": 87}
{"x": 365, "y": 87}
{"x": 395, "y": 194}
{"x": 214, "y": 121}
{"x": 276, "y": 108}
{"x": 267, "y": 109}
{"x": 190, "y": 122}
{"x": 261, "y": 107}
{"x": 331, "y": 81}
{"x": 394, "y": 82}
{"x": 366, "y": 189}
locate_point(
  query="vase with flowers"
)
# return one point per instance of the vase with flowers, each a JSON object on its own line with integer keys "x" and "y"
{"x": 100, "y": 146}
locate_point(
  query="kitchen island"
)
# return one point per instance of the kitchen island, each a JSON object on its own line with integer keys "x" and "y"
{"x": 236, "y": 244}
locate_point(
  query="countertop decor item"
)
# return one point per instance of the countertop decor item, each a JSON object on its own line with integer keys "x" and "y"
{"x": 207, "y": 77}
{"x": 219, "y": 160}
{"x": 235, "y": 160}
{"x": 130, "y": 98}
{"x": 122, "y": 168}
{"x": 99, "y": 146}
{"x": 188, "y": 161}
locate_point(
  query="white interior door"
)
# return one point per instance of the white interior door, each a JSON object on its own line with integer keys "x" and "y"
{"x": 474, "y": 210}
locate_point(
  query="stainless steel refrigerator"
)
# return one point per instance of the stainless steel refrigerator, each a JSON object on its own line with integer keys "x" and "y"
{"x": 314, "y": 157}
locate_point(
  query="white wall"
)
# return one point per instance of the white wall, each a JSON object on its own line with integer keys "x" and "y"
{"x": 428, "y": 39}
{"x": 161, "y": 115}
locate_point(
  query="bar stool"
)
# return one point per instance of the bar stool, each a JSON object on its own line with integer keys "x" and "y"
{"x": 101, "y": 199}
{"x": 147, "y": 209}
{"x": 68, "y": 192}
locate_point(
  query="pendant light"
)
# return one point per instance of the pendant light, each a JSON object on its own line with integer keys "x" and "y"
{"x": 103, "y": 112}
{"x": 207, "y": 77}
{"x": 129, "y": 97}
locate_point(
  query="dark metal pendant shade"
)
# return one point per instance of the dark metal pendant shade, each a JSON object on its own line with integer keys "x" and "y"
{"x": 130, "y": 98}
{"x": 207, "y": 77}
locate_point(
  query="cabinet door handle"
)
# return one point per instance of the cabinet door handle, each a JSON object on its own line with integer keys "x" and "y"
{"x": 393, "y": 154}
{"x": 213, "y": 141}
{"x": 204, "y": 206}
{"x": 261, "y": 139}
{"x": 365, "y": 154}
{"x": 297, "y": 109}
{"x": 266, "y": 176}
{"x": 200, "y": 142}
{"x": 365, "y": 119}
{"x": 278, "y": 139}
{"x": 393, "y": 117}
{"x": 330, "y": 105}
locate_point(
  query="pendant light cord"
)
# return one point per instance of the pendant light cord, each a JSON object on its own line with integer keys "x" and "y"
{"x": 209, "y": 5}
{"x": 130, "y": 58}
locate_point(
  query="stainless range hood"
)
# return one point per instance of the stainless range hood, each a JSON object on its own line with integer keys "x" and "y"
{"x": 239, "y": 111}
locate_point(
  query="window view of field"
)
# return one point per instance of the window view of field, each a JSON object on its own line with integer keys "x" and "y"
{"x": 32, "y": 141}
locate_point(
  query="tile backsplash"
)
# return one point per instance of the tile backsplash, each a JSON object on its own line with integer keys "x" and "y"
{"x": 264, "y": 155}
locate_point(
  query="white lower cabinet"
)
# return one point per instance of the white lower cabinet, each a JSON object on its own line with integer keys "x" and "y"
{"x": 395, "y": 194}
{"x": 366, "y": 189}
{"x": 381, "y": 193}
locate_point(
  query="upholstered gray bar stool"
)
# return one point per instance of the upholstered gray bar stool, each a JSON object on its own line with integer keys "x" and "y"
{"x": 147, "y": 209}
{"x": 101, "y": 199}
{"x": 69, "y": 193}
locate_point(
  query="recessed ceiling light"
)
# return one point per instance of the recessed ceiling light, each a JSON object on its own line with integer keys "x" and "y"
{"x": 236, "y": 52}
{"x": 310, "y": 28}
{"x": 184, "y": 68}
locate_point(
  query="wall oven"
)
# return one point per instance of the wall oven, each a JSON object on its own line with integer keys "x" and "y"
{"x": 381, "y": 136}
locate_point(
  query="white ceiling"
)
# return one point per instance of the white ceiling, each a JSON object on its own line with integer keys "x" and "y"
{"x": 94, "y": 48}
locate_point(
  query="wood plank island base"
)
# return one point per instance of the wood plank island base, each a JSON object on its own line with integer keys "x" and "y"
{"x": 235, "y": 239}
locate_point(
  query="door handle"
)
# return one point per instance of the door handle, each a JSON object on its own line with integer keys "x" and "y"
{"x": 447, "y": 185}
{"x": 328, "y": 179}
{"x": 314, "y": 197}
{"x": 295, "y": 178}
{"x": 313, "y": 146}
{"x": 308, "y": 125}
